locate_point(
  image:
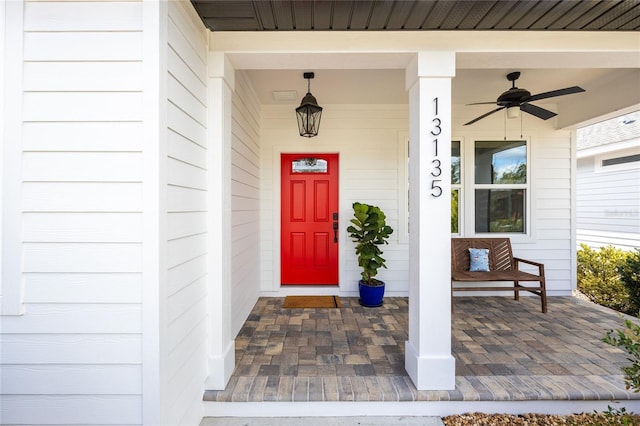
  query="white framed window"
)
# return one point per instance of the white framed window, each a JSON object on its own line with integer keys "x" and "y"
{"x": 490, "y": 188}
{"x": 628, "y": 159}
{"x": 500, "y": 187}
{"x": 457, "y": 196}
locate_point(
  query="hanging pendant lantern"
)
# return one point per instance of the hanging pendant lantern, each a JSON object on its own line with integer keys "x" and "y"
{"x": 309, "y": 112}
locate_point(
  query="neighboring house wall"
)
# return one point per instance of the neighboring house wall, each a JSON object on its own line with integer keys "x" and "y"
{"x": 75, "y": 355}
{"x": 608, "y": 203}
{"x": 245, "y": 202}
{"x": 369, "y": 139}
{"x": 187, "y": 230}
{"x": 608, "y": 192}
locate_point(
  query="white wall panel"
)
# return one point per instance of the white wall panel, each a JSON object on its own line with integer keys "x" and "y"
{"x": 82, "y": 197}
{"x": 186, "y": 76}
{"x": 186, "y": 101}
{"x": 71, "y": 379}
{"x": 187, "y": 232}
{"x": 82, "y": 227}
{"x": 83, "y": 46}
{"x": 82, "y": 257}
{"x": 82, "y": 106}
{"x": 186, "y": 150}
{"x": 75, "y": 355}
{"x": 71, "y": 349}
{"x": 183, "y": 124}
{"x": 82, "y": 166}
{"x": 72, "y": 16}
{"x": 184, "y": 249}
{"x": 245, "y": 201}
{"x": 75, "y": 287}
{"x": 71, "y": 409}
{"x": 185, "y": 273}
{"x": 76, "y": 318}
{"x": 186, "y": 224}
{"x": 186, "y": 175}
{"x": 181, "y": 199}
{"x": 83, "y": 76}
{"x": 87, "y": 136}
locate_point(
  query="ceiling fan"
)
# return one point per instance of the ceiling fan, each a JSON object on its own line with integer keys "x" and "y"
{"x": 516, "y": 97}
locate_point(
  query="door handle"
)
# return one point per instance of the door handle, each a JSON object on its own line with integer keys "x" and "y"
{"x": 335, "y": 228}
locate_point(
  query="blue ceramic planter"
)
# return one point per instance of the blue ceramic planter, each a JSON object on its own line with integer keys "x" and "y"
{"x": 371, "y": 296}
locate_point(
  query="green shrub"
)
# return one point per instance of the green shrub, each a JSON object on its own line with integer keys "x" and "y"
{"x": 628, "y": 339}
{"x": 630, "y": 274}
{"x": 599, "y": 277}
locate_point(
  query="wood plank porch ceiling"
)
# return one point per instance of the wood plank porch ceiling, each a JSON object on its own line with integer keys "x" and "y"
{"x": 399, "y": 15}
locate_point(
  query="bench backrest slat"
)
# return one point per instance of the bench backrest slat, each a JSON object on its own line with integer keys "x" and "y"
{"x": 500, "y": 253}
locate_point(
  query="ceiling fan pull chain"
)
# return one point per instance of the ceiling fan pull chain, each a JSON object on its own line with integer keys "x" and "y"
{"x": 505, "y": 124}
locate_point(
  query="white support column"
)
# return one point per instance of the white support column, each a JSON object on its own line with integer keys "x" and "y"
{"x": 428, "y": 358}
{"x": 154, "y": 263}
{"x": 11, "y": 88}
{"x": 222, "y": 345}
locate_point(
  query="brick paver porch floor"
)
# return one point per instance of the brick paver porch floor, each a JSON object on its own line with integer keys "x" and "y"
{"x": 505, "y": 351}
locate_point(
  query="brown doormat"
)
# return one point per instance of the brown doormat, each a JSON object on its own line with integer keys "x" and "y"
{"x": 312, "y": 302}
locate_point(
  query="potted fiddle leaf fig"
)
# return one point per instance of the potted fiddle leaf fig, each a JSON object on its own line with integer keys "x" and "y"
{"x": 369, "y": 230}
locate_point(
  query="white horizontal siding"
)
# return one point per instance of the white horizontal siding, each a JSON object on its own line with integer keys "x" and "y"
{"x": 71, "y": 409}
{"x": 82, "y": 106}
{"x": 83, "y": 76}
{"x": 71, "y": 349}
{"x": 70, "y": 16}
{"x": 74, "y": 227}
{"x": 607, "y": 206}
{"x": 82, "y": 257}
{"x": 82, "y": 166}
{"x": 82, "y": 197}
{"x": 98, "y": 318}
{"x": 71, "y": 379}
{"x": 245, "y": 201}
{"x": 82, "y": 287}
{"x": 185, "y": 273}
{"x": 75, "y": 356}
{"x": 83, "y": 136}
{"x": 187, "y": 232}
{"x": 597, "y": 239}
{"x": 83, "y": 46}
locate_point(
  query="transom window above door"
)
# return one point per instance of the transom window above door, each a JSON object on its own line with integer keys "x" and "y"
{"x": 309, "y": 165}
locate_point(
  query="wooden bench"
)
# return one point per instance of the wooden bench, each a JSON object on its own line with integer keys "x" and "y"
{"x": 502, "y": 267}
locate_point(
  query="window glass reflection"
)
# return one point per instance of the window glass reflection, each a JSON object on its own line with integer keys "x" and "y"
{"x": 500, "y": 162}
{"x": 500, "y": 210}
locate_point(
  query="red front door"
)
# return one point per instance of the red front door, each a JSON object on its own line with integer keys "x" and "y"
{"x": 309, "y": 219}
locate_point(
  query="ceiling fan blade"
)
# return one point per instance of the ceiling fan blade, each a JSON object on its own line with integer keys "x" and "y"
{"x": 484, "y": 115}
{"x": 542, "y": 113}
{"x": 554, "y": 93}
{"x": 483, "y": 103}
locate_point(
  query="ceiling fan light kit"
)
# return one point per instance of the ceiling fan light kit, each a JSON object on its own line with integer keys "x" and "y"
{"x": 516, "y": 99}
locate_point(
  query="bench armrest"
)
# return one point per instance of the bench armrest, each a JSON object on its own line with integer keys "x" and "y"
{"x": 540, "y": 266}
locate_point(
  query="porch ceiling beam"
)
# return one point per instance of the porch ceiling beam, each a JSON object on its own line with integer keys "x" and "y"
{"x": 396, "y": 41}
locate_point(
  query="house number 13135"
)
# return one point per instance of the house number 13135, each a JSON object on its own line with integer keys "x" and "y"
{"x": 436, "y": 165}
